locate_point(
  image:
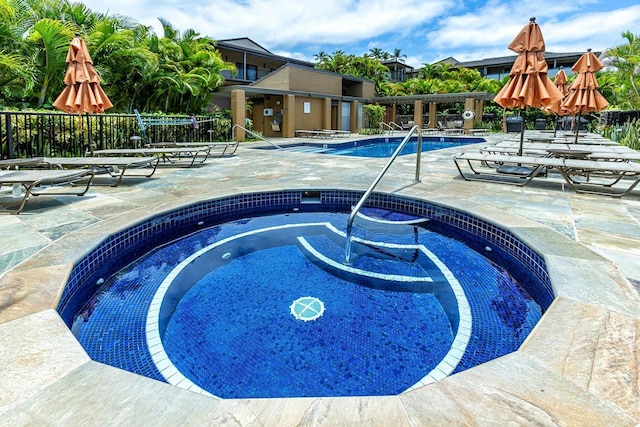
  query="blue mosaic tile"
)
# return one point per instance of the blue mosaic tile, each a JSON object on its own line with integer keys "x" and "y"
{"x": 527, "y": 287}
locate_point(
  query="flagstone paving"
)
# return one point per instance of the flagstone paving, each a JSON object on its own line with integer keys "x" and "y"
{"x": 579, "y": 367}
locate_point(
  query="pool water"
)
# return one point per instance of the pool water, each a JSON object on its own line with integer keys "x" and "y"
{"x": 382, "y": 147}
{"x": 232, "y": 332}
{"x": 367, "y": 342}
{"x": 385, "y": 147}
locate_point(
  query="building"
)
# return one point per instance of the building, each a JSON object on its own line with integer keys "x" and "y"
{"x": 498, "y": 68}
{"x": 281, "y": 95}
{"x": 285, "y": 94}
{"x": 399, "y": 71}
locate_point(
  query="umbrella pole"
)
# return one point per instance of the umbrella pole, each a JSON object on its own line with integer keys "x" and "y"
{"x": 578, "y": 127}
{"x": 555, "y": 126}
{"x": 523, "y": 116}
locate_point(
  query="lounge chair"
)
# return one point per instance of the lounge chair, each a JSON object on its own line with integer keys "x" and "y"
{"x": 115, "y": 167}
{"x": 228, "y": 148}
{"x": 320, "y": 133}
{"x": 521, "y": 170}
{"x": 612, "y": 172}
{"x": 478, "y": 131}
{"x": 504, "y": 168}
{"x": 452, "y": 129}
{"x": 430, "y": 130}
{"x": 406, "y": 126}
{"x": 20, "y": 163}
{"x": 40, "y": 181}
{"x": 591, "y": 152}
{"x": 168, "y": 154}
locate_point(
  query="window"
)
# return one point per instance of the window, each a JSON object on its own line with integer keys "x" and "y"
{"x": 240, "y": 73}
{"x": 252, "y": 72}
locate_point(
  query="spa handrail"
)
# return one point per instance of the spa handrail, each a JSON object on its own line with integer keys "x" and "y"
{"x": 257, "y": 135}
{"x": 365, "y": 196}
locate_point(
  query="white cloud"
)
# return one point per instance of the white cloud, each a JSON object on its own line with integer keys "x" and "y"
{"x": 425, "y": 30}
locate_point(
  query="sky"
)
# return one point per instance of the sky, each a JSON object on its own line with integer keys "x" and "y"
{"x": 425, "y": 31}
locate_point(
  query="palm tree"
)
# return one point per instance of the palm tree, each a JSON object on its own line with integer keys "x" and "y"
{"x": 378, "y": 54}
{"x": 624, "y": 62}
{"x": 398, "y": 56}
{"x": 321, "y": 56}
{"x": 50, "y": 43}
{"x": 189, "y": 70}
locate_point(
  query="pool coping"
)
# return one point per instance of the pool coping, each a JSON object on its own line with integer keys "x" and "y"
{"x": 527, "y": 385}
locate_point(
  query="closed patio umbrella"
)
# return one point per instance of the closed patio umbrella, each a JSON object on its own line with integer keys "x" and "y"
{"x": 528, "y": 84}
{"x": 584, "y": 96}
{"x": 560, "y": 81}
{"x": 82, "y": 92}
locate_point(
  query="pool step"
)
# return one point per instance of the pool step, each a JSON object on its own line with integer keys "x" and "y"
{"x": 390, "y": 268}
{"x": 399, "y": 224}
{"x": 306, "y": 149}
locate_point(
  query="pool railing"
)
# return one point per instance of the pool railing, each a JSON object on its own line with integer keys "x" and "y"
{"x": 365, "y": 196}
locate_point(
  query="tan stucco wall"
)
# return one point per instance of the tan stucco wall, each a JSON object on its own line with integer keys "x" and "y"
{"x": 308, "y": 80}
{"x": 314, "y": 119}
{"x": 238, "y": 113}
{"x": 276, "y": 103}
{"x": 278, "y": 80}
{"x": 362, "y": 90}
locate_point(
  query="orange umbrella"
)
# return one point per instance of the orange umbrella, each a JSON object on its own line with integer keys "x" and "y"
{"x": 560, "y": 81}
{"x": 528, "y": 84}
{"x": 82, "y": 93}
{"x": 584, "y": 96}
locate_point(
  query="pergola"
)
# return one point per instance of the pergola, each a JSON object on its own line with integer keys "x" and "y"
{"x": 473, "y": 101}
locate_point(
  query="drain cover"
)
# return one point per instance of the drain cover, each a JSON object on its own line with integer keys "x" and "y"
{"x": 307, "y": 308}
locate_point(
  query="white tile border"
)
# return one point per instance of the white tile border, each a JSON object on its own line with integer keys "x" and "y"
{"x": 448, "y": 364}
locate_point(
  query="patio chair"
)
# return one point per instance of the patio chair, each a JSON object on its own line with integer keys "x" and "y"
{"x": 170, "y": 155}
{"x": 599, "y": 177}
{"x": 42, "y": 181}
{"x": 114, "y": 167}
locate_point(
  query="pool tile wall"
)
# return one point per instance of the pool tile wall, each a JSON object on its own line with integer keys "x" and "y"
{"x": 141, "y": 237}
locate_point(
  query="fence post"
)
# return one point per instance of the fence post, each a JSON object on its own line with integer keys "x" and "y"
{"x": 9, "y": 137}
{"x": 101, "y": 131}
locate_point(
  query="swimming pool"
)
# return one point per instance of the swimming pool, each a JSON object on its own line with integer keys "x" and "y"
{"x": 382, "y": 146}
{"x": 123, "y": 337}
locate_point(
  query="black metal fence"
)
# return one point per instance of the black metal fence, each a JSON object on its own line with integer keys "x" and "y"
{"x": 27, "y": 134}
{"x": 618, "y": 117}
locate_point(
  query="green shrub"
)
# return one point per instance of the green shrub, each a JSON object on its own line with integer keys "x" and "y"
{"x": 629, "y": 135}
{"x": 375, "y": 114}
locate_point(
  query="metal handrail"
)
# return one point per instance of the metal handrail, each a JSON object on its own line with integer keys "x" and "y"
{"x": 365, "y": 196}
{"x": 383, "y": 124}
{"x": 257, "y": 135}
{"x": 396, "y": 125}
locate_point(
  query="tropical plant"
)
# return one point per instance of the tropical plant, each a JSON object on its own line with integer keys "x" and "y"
{"x": 398, "y": 56}
{"x": 629, "y": 134}
{"x": 443, "y": 78}
{"x": 621, "y": 86}
{"x": 378, "y": 54}
{"x": 138, "y": 69}
{"x": 375, "y": 114}
{"x": 364, "y": 66}
{"x": 50, "y": 42}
